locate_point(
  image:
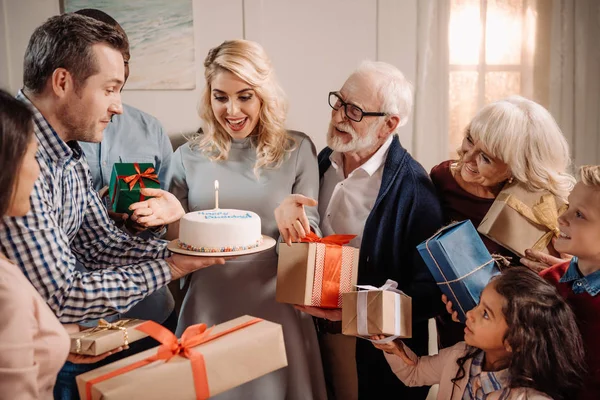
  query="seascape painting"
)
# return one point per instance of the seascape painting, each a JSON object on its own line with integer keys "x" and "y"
{"x": 161, "y": 39}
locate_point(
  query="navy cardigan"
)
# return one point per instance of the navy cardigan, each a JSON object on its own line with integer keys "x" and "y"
{"x": 407, "y": 211}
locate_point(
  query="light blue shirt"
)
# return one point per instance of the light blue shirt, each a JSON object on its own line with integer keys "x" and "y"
{"x": 134, "y": 136}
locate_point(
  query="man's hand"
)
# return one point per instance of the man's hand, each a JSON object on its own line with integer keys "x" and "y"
{"x": 392, "y": 348}
{"x": 182, "y": 265}
{"x": 291, "y": 219}
{"x": 83, "y": 359}
{"x": 162, "y": 209}
{"x": 449, "y": 308}
{"x": 332, "y": 314}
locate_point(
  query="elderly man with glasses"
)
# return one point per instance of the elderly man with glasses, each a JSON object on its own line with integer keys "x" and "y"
{"x": 371, "y": 187}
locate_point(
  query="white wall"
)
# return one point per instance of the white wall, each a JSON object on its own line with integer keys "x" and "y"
{"x": 314, "y": 45}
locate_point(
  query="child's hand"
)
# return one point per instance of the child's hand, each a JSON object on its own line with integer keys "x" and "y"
{"x": 449, "y": 308}
{"x": 392, "y": 348}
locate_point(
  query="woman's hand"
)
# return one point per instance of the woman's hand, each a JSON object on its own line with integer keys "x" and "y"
{"x": 392, "y": 348}
{"x": 83, "y": 359}
{"x": 162, "y": 209}
{"x": 449, "y": 308}
{"x": 291, "y": 219}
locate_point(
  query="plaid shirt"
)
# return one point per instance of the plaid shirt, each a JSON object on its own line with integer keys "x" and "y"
{"x": 483, "y": 383}
{"x": 68, "y": 222}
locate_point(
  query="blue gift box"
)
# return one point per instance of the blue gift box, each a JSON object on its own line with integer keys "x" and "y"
{"x": 460, "y": 264}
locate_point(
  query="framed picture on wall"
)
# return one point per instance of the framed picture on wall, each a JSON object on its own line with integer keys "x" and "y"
{"x": 161, "y": 40}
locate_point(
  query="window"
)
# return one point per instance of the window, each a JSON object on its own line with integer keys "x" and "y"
{"x": 491, "y": 46}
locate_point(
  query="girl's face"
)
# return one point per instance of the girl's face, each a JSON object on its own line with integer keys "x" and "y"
{"x": 235, "y": 104}
{"x": 478, "y": 167}
{"x": 486, "y": 326}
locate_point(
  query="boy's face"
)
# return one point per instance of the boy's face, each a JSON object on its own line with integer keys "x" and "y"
{"x": 580, "y": 224}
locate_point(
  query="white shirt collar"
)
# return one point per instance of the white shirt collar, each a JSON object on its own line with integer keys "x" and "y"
{"x": 372, "y": 164}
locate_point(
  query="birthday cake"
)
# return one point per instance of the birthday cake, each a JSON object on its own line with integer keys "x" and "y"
{"x": 219, "y": 230}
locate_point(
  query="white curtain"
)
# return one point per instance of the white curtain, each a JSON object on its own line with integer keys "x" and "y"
{"x": 575, "y": 76}
{"x": 430, "y": 129}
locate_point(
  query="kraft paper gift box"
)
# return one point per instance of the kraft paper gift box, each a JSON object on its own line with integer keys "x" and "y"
{"x": 377, "y": 311}
{"x": 520, "y": 219}
{"x": 125, "y": 183}
{"x": 460, "y": 264}
{"x": 204, "y": 363}
{"x": 318, "y": 272}
{"x": 106, "y": 336}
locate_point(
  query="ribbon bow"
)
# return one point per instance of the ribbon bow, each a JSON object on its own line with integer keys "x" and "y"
{"x": 103, "y": 326}
{"x": 336, "y": 240}
{"x": 544, "y": 213}
{"x": 170, "y": 347}
{"x": 361, "y": 309}
{"x": 139, "y": 177}
{"x": 326, "y": 291}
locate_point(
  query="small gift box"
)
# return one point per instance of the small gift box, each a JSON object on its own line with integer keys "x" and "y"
{"x": 377, "y": 311}
{"x": 317, "y": 272}
{"x": 460, "y": 264}
{"x": 106, "y": 336}
{"x": 520, "y": 219}
{"x": 125, "y": 183}
{"x": 205, "y": 362}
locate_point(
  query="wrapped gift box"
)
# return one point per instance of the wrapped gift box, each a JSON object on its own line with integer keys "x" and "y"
{"x": 125, "y": 183}
{"x": 460, "y": 264}
{"x": 205, "y": 362}
{"x": 520, "y": 219}
{"x": 377, "y": 311}
{"x": 317, "y": 273}
{"x": 106, "y": 336}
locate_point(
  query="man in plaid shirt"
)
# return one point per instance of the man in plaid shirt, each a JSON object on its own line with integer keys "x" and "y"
{"x": 73, "y": 73}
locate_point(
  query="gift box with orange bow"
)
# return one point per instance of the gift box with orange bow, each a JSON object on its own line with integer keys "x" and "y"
{"x": 106, "y": 336}
{"x": 521, "y": 219}
{"x": 126, "y": 181}
{"x": 203, "y": 363}
{"x": 317, "y": 271}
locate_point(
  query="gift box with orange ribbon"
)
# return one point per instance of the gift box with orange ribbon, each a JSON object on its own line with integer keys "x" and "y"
{"x": 520, "y": 219}
{"x": 106, "y": 336}
{"x": 126, "y": 181}
{"x": 317, "y": 271}
{"x": 203, "y": 363}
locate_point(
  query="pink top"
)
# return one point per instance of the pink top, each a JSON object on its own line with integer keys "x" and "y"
{"x": 33, "y": 344}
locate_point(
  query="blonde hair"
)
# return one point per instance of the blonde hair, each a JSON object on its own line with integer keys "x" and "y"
{"x": 393, "y": 89}
{"x": 590, "y": 176}
{"x": 249, "y": 62}
{"x": 524, "y": 135}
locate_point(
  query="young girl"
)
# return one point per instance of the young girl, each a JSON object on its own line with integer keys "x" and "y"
{"x": 521, "y": 342}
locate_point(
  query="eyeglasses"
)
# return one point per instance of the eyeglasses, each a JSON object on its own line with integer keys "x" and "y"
{"x": 353, "y": 112}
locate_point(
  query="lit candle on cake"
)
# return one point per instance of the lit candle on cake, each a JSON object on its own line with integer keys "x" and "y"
{"x": 216, "y": 194}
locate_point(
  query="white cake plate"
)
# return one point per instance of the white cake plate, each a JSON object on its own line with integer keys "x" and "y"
{"x": 268, "y": 242}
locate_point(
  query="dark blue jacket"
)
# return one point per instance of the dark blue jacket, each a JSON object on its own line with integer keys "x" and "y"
{"x": 407, "y": 211}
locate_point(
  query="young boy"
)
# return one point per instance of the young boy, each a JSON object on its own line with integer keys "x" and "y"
{"x": 578, "y": 280}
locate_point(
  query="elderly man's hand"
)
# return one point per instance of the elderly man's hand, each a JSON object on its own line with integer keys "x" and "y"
{"x": 538, "y": 261}
{"x": 162, "y": 209}
{"x": 332, "y": 314}
{"x": 291, "y": 219}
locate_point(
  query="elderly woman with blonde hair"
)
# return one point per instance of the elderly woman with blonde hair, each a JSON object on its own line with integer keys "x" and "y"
{"x": 244, "y": 145}
{"x": 513, "y": 139}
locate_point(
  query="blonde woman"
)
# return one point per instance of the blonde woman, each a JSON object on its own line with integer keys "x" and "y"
{"x": 513, "y": 139}
{"x": 244, "y": 145}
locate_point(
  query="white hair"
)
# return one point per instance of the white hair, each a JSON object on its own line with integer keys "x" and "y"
{"x": 525, "y": 136}
{"x": 394, "y": 90}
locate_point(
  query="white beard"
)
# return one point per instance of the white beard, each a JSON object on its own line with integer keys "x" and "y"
{"x": 357, "y": 143}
